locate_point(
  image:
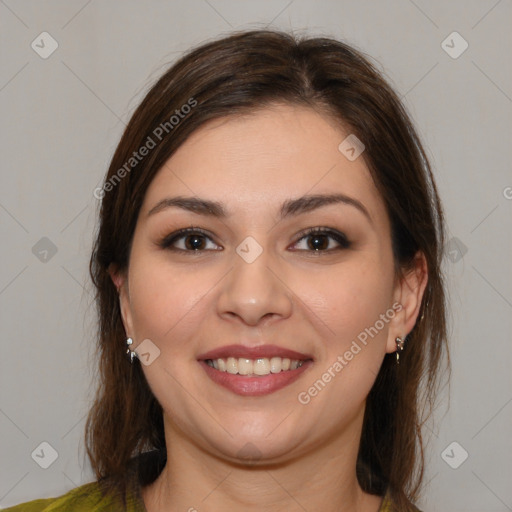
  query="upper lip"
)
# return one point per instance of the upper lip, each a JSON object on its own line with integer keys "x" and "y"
{"x": 242, "y": 351}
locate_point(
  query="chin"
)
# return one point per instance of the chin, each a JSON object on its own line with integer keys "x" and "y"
{"x": 257, "y": 450}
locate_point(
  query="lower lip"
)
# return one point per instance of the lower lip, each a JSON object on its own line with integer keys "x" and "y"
{"x": 255, "y": 386}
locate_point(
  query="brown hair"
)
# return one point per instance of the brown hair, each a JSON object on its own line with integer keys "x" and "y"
{"x": 242, "y": 73}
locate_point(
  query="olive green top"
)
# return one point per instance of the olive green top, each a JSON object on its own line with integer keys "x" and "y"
{"x": 89, "y": 497}
{"x": 86, "y": 498}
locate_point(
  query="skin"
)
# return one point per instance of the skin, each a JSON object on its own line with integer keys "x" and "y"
{"x": 315, "y": 302}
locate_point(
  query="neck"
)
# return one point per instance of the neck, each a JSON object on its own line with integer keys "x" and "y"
{"x": 324, "y": 479}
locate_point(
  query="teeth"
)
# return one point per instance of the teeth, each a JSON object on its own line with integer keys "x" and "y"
{"x": 260, "y": 366}
{"x": 245, "y": 366}
{"x": 231, "y": 365}
{"x": 294, "y": 365}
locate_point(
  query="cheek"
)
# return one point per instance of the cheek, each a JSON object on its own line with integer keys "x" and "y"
{"x": 350, "y": 297}
{"x": 163, "y": 300}
{"x": 352, "y": 302}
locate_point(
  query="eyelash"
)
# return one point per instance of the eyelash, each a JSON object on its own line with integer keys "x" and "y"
{"x": 339, "y": 237}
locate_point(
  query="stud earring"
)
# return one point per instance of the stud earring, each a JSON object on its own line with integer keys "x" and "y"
{"x": 399, "y": 347}
{"x": 132, "y": 353}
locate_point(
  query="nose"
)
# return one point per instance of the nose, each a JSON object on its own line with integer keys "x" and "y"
{"x": 255, "y": 292}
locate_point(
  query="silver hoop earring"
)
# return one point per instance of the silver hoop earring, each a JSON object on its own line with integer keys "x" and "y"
{"x": 399, "y": 347}
{"x": 132, "y": 353}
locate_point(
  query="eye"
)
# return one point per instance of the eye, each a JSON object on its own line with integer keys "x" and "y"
{"x": 189, "y": 240}
{"x": 321, "y": 240}
{"x": 314, "y": 239}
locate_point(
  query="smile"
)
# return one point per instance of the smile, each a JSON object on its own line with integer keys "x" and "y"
{"x": 254, "y": 370}
{"x": 255, "y": 367}
{"x": 252, "y": 383}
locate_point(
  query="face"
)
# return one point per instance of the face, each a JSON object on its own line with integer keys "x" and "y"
{"x": 291, "y": 260}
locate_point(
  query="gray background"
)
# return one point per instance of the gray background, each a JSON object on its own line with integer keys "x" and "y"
{"x": 62, "y": 117}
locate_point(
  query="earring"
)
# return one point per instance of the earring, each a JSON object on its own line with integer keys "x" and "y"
{"x": 399, "y": 347}
{"x": 132, "y": 353}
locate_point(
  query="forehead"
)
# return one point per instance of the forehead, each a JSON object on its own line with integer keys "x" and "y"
{"x": 263, "y": 158}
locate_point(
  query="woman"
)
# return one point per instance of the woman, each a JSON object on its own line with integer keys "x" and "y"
{"x": 271, "y": 304}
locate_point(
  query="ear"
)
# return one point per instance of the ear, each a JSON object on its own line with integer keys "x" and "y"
{"x": 120, "y": 280}
{"x": 408, "y": 293}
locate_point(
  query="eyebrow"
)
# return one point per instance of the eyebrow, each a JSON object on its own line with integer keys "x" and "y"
{"x": 290, "y": 207}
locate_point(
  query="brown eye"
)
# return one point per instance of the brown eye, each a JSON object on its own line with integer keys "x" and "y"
{"x": 322, "y": 240}
{"x": 188, "y": 240}
{"x": 194, "y": 242}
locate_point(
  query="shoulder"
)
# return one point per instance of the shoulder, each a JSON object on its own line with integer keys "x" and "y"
{"x": 86, "y": 498}
{"x": 142, "y": 470}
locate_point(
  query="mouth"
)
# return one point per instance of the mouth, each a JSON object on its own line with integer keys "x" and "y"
{"x": 255, "y": 367}
{"x": 254, "y": 371}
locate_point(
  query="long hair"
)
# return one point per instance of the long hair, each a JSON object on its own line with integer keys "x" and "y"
{"x": 242, "y": 73}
